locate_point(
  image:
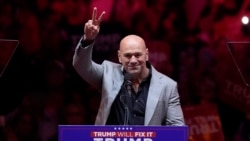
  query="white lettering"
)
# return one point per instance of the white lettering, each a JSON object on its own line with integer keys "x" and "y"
{"x": 97, "y": 139}
{"x": 104, "y": 134}
{"x": 203, "y": 125}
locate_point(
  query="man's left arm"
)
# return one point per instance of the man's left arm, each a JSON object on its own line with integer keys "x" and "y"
{"x": 175, "y": 114}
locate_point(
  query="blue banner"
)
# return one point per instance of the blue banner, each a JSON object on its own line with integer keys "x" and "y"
{"x": 122, "y": 133}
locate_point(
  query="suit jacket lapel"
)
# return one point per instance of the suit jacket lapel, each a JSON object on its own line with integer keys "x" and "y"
{"x": 117, "y": 81}
{"x": 111, "y": 93}
{"x": 153, "y": 96}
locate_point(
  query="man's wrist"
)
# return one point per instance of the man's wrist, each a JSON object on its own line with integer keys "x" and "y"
{"x": 85, "y": 42}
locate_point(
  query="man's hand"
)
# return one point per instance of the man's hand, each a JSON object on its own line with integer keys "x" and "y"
{"x": 92, "y": 27}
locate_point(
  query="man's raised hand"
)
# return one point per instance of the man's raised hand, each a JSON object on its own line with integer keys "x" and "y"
{"x": 92, "y": 27}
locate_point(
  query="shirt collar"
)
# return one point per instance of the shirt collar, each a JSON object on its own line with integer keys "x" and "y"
{"x": 148, "y": 65}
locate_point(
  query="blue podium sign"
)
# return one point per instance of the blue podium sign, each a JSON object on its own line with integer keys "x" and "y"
{"x": 122, "y": 133}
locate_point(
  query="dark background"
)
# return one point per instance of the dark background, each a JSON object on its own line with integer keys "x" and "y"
{"x": 186, "y": 40}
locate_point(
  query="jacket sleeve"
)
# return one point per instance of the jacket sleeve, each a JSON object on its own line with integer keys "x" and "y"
{"x": 86, "y": 67}
{"x": 174, "y": 113}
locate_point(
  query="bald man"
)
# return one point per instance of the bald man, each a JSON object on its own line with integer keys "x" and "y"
{"x": 133, "y": 91}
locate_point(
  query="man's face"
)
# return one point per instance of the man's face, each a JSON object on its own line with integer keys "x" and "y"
{"x": 133, "y": 56}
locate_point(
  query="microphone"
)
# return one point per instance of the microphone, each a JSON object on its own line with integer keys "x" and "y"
{"x": 123, "y": 99}
{"x": 126, "y": 96}
{"x": 128, "y": 83}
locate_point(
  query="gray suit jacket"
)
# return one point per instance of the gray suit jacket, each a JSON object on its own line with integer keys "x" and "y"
{"x": 163, "y": 105}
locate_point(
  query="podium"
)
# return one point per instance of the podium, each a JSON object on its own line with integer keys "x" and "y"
{"x": 122, "y": 133}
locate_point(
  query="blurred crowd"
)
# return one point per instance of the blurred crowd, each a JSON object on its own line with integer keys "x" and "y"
{"x": 184, "y": 37}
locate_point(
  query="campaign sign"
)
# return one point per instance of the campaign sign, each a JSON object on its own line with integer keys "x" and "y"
{"x": 122, "y": 133}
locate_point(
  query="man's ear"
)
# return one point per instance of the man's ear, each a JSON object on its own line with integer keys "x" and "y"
{"x": 147, "y": 54}
{"x": 119, "y": 56}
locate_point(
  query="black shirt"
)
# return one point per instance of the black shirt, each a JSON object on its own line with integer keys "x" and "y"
{"x": 129, "y": 109}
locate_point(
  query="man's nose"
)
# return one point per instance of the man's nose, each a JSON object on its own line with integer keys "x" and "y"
{"x": 133, "y": 59}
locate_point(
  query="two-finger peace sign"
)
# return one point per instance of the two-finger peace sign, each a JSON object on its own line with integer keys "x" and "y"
{"x": 94, "y": 20}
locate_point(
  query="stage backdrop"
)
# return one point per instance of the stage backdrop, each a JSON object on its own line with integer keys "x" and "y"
{"x": 203, "y": 122}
